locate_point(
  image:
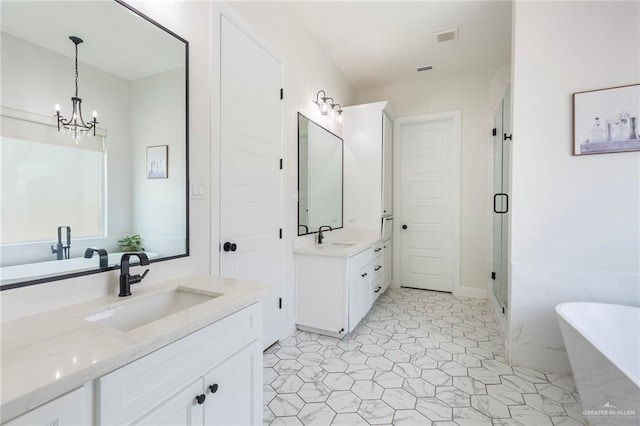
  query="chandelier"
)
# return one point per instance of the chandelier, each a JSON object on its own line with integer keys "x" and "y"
{"x": 75, "y": 125}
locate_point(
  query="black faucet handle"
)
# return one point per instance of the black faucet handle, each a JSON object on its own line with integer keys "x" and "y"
{"x": 135, "y": 279}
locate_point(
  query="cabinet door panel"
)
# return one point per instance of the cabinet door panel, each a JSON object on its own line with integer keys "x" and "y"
{"x": 234, "y": 389}
{"x": 321, "y": 294}
{"x": 181, "y": 409}
{"x": 367, "y": 290}
{"x": 355, "y": 301}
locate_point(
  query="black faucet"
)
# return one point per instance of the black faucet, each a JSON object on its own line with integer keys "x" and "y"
{"x": 62, "y": 251}
{"x": 104, "y": 256}
{"x": 125, "y": 279}
{"x": 320, "y": 236}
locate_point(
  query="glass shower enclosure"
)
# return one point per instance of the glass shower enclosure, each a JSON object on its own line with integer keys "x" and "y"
{"x": 501, "y": 197}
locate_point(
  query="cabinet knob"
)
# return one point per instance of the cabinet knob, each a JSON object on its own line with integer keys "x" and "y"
{"x": 364, "y": 275}
{"x": 213, "y": 388}
{"x": 404, "y": 226}
{"x": 200, "y": 399}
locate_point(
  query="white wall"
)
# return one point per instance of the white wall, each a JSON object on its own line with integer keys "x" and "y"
{"x": 472, "y": 94}
{"x": 575, "y": 220}
{"x": 192, "y": 21}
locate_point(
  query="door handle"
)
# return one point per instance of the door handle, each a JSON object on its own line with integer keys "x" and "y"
{"x": 495, "y": 205}
{"x": 229, "y": 246}
{"x": 404, "y": 226}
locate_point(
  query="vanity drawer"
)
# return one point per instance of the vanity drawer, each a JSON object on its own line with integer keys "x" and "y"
{"x": 378, "y": 250}
{"x": 360, "y": 260}
{"x": 377, "y": 288}
{"x": 378, "y": 269}
{"x": 133, "y": 390}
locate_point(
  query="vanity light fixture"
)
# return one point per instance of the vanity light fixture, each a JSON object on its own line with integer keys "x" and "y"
{"x": 338, "y": 111}
{"x": 321, "y": 101}
{"x": 325, "y": 102}
{"x": 76, "y": 125}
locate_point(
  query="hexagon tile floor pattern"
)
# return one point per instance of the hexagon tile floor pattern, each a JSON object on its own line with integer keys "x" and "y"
{"x": 418, "y": 358}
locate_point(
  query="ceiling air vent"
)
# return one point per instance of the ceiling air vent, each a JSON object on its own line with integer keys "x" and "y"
{"x": 446, "y": 35}
{"x": 428, "y": 68}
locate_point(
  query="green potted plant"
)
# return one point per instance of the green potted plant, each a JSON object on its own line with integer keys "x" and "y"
{"x": 131, "y": 243}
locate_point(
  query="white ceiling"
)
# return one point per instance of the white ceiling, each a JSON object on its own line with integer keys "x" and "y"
{"x": 115, "y": 40}
{"x": 379, "y": 43}
{"x": 373, "y": 43}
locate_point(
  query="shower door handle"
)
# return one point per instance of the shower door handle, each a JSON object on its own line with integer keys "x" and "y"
{"x": 495, "y": 203}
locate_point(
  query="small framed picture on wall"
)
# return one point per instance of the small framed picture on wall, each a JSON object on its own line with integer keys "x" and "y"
{"x": 606, "y": 120}
{"x": 157, "y": 162}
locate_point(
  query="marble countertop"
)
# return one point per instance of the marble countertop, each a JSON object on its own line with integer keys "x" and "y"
{"x": 342, "y": 248}
{"x": 49, "y": 354}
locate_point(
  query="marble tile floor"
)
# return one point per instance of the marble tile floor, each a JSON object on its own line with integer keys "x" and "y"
{"x": 418, "y": 358}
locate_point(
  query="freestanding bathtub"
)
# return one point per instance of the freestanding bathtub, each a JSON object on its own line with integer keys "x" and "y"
{"x": 603, "y": 344}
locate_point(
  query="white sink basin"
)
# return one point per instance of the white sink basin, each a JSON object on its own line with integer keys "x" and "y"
{"x": 135, "y": 313}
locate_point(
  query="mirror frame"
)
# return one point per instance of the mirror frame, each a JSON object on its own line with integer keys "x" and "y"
{"x": 342, "y": 170}
{"x": 187, "y": 248}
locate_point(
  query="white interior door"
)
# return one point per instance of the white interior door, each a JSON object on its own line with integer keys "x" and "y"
{"x": 251, "y": 179}
{"x": 429, "y": 202}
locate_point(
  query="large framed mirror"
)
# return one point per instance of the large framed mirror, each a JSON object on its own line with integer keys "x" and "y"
{"x": 320, "y": 175}
{"x": 116, "y": 182}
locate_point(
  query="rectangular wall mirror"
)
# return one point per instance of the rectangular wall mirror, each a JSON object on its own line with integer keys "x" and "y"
{"x": 123, "y": 181}
{"x": 320, "y": 174}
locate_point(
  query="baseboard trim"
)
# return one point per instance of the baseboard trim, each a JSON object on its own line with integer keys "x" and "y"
{"x": 474, "y": 293}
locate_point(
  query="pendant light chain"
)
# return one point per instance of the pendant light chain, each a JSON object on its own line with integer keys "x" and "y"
{"x": 76, "y": 69}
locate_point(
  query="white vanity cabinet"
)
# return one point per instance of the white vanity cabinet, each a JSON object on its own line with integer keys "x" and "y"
{"x": 210, "y": 377}
{"x": 367, "y": 132}
{"x": 333, "y": 292}
{"x": 73, "y": 408}
{"x": 224, "y": 396}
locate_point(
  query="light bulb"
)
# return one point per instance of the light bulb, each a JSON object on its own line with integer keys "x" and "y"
{"x": 339, "y": 117}
{"x": 324, "y": 108}
{"x": 95, "y": 114}
{"x": 57, "y": 107}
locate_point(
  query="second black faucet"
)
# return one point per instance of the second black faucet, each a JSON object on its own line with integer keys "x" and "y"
{"x": 320, "y": 236}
